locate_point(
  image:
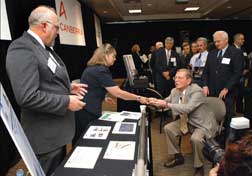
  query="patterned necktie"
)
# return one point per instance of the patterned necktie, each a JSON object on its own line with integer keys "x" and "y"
{"x": 198, "y": 61}
{"x": 183, "y": 117}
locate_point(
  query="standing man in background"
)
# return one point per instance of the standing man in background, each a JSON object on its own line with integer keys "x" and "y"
{"x": 158, "y": 45}
{"x": 166, "y": 65}
{"x": 42, "y": 88}
{"x": 198, "y": 60}
{"x": 222, "y": 73}
{"x": 239, "y": 40}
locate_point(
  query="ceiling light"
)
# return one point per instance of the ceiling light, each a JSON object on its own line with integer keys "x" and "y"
{"x": 229, "y": 7}
{"x": 187, "y": 9}
{"x": 135, "y": 11}
{"x": 149, "y": 5}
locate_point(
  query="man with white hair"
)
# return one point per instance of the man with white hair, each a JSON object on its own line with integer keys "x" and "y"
{"x": 42, "y": 88}
{"x": 222, "y": 73}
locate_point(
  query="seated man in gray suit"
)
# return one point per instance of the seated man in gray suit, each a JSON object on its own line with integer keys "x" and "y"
{"x": 42, "y": 88}
{"x": 187, "y": 102}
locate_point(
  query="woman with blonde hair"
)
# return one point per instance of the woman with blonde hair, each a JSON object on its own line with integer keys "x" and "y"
{"x": 99, "y": 80}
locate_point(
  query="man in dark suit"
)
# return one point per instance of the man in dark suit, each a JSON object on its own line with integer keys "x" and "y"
{"x": 222, "y": 73}
{"x": 158, "y": 46}
{"x": 239, "y": 40}
{"x": 186, "y": 55}
{"x": 166, "y": 65}
{"x": 42, "y": 88}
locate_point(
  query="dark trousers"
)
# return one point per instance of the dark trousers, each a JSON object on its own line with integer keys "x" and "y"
{"x": 248, "y": 106}
{"x": 164, "y": 87}
{"x": 51, "y": 160}
{"x": 239, "y": 99}
{"x": 230, "y": 113}
{"x": 82, "y": 119}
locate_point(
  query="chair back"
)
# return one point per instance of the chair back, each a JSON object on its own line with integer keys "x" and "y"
{"x": 152, "y": 93}
{"x": 218, "y": 107}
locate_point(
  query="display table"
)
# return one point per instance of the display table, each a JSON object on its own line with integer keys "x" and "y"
{"x": 107, "y": 167}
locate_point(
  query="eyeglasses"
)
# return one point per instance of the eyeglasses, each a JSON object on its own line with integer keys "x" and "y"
{"x": 56, "y": 26}
{"x": 179, "y": 77}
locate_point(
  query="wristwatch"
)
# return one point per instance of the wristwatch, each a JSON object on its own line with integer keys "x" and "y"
{"x": 138, "y": 98}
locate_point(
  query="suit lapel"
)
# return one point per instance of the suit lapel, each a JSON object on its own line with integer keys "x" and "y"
{"x": 60, "y": 72}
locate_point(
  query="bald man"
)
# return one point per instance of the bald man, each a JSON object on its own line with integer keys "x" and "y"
{"x": 222, "y": 73}
{"x": 42, "y": 88}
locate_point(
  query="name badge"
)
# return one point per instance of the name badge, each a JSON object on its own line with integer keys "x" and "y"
{"x": 225, "y": 60}
{"x": 245, "y": 54}
{"x": 173, "y": 59}
{"x": 51, "y": 65}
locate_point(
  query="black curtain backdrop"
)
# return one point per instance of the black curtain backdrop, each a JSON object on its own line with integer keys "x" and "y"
{"x": 75, "y": 58}
{"x": 123, "y": 36}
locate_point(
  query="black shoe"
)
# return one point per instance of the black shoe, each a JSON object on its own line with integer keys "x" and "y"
{"x": 199, "y": 171}
{"x": 175, "y": 162}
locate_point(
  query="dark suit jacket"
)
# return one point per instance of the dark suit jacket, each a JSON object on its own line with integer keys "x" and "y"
{"x": 138, "y": 62}
{"x": 161, "y": 63}
{"x": 218, "y": 75}
{"x": 42, "y": 95}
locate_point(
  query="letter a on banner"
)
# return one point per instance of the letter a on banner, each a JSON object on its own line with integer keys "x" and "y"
{"x": 71, "y": 31}
{"x": 62, "y": 10}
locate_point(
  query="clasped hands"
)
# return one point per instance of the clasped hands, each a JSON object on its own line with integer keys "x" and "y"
{"x": 155, "y": 102}
{"x": 158, "y": 102}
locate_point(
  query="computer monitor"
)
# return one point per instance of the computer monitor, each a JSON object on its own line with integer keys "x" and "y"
{"x": 130, "y": 68}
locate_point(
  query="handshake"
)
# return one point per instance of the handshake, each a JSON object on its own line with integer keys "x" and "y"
{"x": 154, "y": 102}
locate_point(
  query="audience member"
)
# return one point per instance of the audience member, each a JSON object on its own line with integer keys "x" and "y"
{"x": 99, "y": 80}
{"x": 239, "y": 40}
{"x": 187, "y": 103}
{"x": 166, "y": 65}
{"x": 237, "y": 159}
{"x": 222, "y": 73}
{"x": 198, "y": 60}
{"x": 42, "y": 88}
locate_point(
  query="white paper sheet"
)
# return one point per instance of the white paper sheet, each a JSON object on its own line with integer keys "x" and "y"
{"x": 124, "y": 128}
{"x": 120, "y": 150}
{"x": 114, "y": 117}
{"x": 131, "y": 115}
{"x": 83, "y": 157}
{"x": 97, "y": 132}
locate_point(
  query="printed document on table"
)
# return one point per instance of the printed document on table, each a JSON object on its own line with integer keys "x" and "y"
{"x": 114, "y": 117}
{"x": 97, "y": 132}
{"x": 131, "y": 115}
{"x": 120, "y": 150}
{"x": 125, "y": 128}
{"x": 83, "y": 157}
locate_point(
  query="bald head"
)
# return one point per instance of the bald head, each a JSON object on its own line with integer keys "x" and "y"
{"x": 239, "y": 39}
{"x": 40, "y": 14}
{"x": 43, "y": 21}
{"x": 220, "y": 39}
{"x": 159, "y": 44}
